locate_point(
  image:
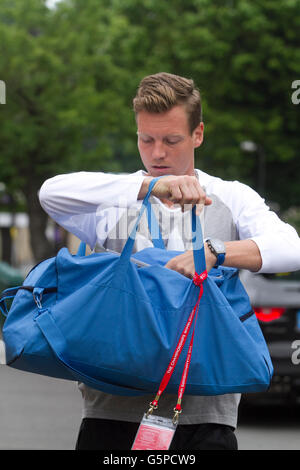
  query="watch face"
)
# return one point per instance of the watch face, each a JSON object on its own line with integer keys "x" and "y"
{"x": 218, "y": 246}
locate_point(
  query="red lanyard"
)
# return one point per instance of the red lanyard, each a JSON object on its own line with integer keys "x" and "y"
{"x": 198, "y": 281}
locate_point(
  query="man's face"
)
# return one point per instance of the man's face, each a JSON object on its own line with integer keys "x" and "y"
{"x": 165, "y": 143}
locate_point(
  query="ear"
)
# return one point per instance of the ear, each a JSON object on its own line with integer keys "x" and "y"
{"x": 198, "y": 135}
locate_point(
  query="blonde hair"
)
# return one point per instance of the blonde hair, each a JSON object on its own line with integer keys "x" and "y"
{"x": 158, "y": 93}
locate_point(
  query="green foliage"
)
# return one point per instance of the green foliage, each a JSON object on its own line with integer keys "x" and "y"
{"x": 244, "y": 56}
{"x": 71, "y": 73}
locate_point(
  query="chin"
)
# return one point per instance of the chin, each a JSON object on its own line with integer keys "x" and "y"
{"x": 160, "y": 172}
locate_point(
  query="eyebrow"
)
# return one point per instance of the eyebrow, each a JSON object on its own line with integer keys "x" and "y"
{"x": 179, "y": 136}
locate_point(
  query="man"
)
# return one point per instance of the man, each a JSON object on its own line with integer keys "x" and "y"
{"x": 242, "y": 233}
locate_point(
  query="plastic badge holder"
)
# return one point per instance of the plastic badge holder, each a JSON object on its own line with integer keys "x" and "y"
{"x": 154, "y": 433}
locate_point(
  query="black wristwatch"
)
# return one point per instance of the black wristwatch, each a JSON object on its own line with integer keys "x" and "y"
{"x": 217, "y": 247}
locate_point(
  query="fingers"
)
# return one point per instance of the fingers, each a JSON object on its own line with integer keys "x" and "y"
{"x": 183, "y": 190}
{"x": 183, "y": 264}
{"x": 175, "y": 192}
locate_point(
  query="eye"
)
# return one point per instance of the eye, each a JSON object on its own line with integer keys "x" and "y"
{"x": 172, "y": 141}
{"x": 146, "y": 140}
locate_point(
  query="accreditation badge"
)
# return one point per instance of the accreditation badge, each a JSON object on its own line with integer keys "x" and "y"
{"x": 154, "y": 433}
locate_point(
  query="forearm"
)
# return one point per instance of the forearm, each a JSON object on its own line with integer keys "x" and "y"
{"x": 84, "y": 192}
{"x": 79, "y": 201}
{"x": 243, "y": 254}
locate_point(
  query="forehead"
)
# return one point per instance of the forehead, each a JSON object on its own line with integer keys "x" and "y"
{"x": 174, "y": 121}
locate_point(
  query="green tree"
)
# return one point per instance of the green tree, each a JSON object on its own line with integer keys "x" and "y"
{"x": 61, "y": 105}
{"x": 71, "y": 72}
{"x": 244, "y": 56}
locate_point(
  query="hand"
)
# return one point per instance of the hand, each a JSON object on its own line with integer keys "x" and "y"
{"x": 183, "y": 190}
{"x": 184, "y": 263}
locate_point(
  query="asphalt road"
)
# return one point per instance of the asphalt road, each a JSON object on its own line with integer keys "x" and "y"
{"x": 41, "y": 413}
{"x": 37, "y": 412}
{"x": 269, "y": 427}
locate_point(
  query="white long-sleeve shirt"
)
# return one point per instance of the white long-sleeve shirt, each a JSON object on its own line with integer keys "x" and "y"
{"x": 90, "y": 205}
{"x": 77, "y": 201}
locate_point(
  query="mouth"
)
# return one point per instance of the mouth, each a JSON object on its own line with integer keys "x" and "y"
{"x": 160, "y": 167}
{"x": 158, "y": 170}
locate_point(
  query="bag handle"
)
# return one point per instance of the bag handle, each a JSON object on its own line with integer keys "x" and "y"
{"x": 154, "y": 229}
{"x": 81, "y": 249}
{"x": 58, "y": 345}
{"x": 11, "y": 292}
{"x": 198, "y": 246}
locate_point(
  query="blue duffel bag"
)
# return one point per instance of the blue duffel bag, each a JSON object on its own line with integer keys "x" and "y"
{"x": 112, "y": 321}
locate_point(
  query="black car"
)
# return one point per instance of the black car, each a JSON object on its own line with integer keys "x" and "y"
{"x": 276, "y": 301}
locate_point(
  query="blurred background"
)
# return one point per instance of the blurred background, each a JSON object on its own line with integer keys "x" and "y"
{"x": 71, "y": 68}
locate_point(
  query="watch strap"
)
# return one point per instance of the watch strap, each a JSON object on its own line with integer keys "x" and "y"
{"x": 220, "y": 256}
{"x": 220, "y": 260}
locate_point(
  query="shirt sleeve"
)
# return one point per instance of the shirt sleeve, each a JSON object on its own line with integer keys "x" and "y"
{"x": 77, "y": 201}
{"x": 278, "y": 242}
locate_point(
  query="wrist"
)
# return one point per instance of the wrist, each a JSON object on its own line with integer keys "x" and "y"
{"x": 210, "y": 258}
{"x": 144, "y": 187}
{"x": 217, "y": 248}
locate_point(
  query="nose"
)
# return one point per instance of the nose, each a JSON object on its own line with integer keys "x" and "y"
{"x": 158, "y": 150}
